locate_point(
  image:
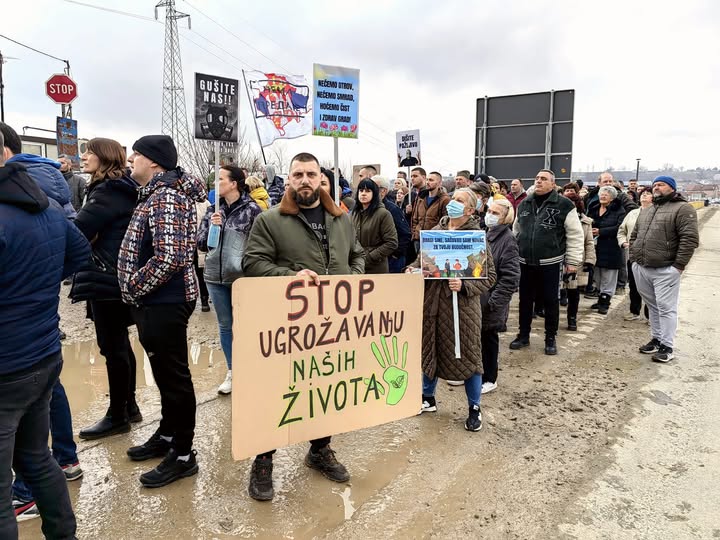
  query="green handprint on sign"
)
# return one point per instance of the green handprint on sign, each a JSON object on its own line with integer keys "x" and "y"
{"x": 395, "y": 377}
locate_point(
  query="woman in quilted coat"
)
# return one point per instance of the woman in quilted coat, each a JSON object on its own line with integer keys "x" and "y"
{"x": 438, "y": 339}
{"x": 223, "y": 265}
{"x": 374, "y": 228}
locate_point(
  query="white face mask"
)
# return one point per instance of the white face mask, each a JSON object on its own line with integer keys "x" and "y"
{"x": 491, "y": 220}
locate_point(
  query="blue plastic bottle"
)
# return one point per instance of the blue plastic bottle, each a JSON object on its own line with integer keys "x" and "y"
{"x": 213, "y": 236}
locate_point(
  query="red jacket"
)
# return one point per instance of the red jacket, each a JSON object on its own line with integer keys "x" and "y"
{"x": 516, "y": 202}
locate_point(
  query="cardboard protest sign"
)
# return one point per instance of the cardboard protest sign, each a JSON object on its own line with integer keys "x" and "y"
{"x": 313, "y": 361}
{"x": 454, "y": 254}
{"x": 408, "y": 148}
{"x": 216, "y": 108}
{"x": 337, "y": 92}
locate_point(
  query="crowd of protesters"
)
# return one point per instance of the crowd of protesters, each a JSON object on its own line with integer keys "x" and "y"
{"x": 130, "y": 240}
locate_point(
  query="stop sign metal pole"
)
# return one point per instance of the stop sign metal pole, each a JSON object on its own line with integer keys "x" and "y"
{"x": 69, "y": 107}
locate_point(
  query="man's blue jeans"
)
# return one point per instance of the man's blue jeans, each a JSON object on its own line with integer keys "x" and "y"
{"x": 473, "y": 385}
{"x": 24, "y": 427}
{"x": 64, "y": 449}
{"x": 221, "y": 296}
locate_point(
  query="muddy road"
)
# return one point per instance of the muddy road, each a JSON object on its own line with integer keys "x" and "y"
{"x": 597, "y": 442}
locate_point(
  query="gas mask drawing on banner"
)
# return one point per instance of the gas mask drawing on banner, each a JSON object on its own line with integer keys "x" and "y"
{"x": 217, "y": 123}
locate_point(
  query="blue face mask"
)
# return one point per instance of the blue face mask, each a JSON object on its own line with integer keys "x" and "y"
{"x": 455, "y": 209}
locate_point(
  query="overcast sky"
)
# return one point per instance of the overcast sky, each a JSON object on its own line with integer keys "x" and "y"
{"x": 646, "y": 74}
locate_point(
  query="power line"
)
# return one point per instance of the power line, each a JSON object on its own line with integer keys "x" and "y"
{"x": 277, "y": 63}
{"x": 34, "y": 49}
{"x": 237, "y": 37}
{"x": 116, "y": 11}
{"x": 368, "y": 137}
{"x": 183, "y": 35}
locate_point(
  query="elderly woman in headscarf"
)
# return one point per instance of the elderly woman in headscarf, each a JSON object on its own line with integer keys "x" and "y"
{"x": 607, "y": 213}
{"x": 438, "y": 339}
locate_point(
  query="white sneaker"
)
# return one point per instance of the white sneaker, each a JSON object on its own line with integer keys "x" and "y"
{"x": 488, "y": 387}
{"x": 226, "y": 386}
{"x": 456, "y": 383}
{"x": 633, "y": 317}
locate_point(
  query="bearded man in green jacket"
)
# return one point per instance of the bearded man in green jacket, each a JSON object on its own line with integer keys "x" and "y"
{"x": 305, "y": 235}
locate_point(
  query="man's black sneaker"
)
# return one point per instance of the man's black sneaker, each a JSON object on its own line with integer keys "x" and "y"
{"x": 540, "y": 313}
{"x": 325, "y": 462}
{"x": 652, "y": 347}
{"x": 550, "y": 346}
{"x": 261, "y": 488}
{"x": 596, "y": 305}
{"x": 105, "y": 427}
{"x": 170, "y": 469}
{"x": 474, "y": 420}
{"x": 155, "y": 446}
{"x": 664, "y": 354}
{"x": 572, "y": 324}
{"x": 519, "y": 342}
{"x": 592, "y": 294}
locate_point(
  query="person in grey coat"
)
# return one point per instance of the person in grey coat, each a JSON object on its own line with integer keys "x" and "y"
{"x": 76, "y": 183}
{"x": 496, "y": 302}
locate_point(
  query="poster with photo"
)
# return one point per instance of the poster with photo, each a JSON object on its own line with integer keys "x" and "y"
{"x": 454, "y": 254}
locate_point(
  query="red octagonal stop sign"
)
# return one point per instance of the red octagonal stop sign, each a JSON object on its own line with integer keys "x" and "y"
{"x": 61, "y": 89}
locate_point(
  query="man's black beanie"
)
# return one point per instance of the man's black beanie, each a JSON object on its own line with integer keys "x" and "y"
{"x": 157, "y": 148}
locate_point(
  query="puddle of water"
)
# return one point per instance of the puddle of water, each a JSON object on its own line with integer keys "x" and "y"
{"x": 661, "y": 398}
{"x": 85, "y": 378}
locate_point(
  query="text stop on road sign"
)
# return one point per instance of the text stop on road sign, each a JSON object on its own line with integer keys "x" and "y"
{"x": 61, "y": 89}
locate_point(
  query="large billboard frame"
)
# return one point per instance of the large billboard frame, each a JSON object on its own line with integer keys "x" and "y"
{"x": 555, "y": 153}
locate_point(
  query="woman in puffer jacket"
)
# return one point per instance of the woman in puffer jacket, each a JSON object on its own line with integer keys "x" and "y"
{"x": 607, "y": 214}
{"x": 258, "y": 193}
{"x": 223, "y": 264}
{"x": 111, "y": 200}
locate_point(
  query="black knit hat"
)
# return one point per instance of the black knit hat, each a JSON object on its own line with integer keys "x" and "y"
{"x": 159, "y": 149}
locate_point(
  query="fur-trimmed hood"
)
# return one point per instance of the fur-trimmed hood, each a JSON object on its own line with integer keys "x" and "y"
{"x": 288, "y": 205}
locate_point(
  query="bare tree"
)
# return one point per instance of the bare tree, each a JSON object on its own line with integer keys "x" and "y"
{"x": 240, "y": 154}
{"x": 280, "y": 157}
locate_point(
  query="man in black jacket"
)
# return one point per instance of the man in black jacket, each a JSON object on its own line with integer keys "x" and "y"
{"x": 396, "y": 261}
{"x": 549, "y": 234}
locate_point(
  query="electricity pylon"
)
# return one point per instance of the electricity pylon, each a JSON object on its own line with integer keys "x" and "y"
{"x": 191, "y": 155}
